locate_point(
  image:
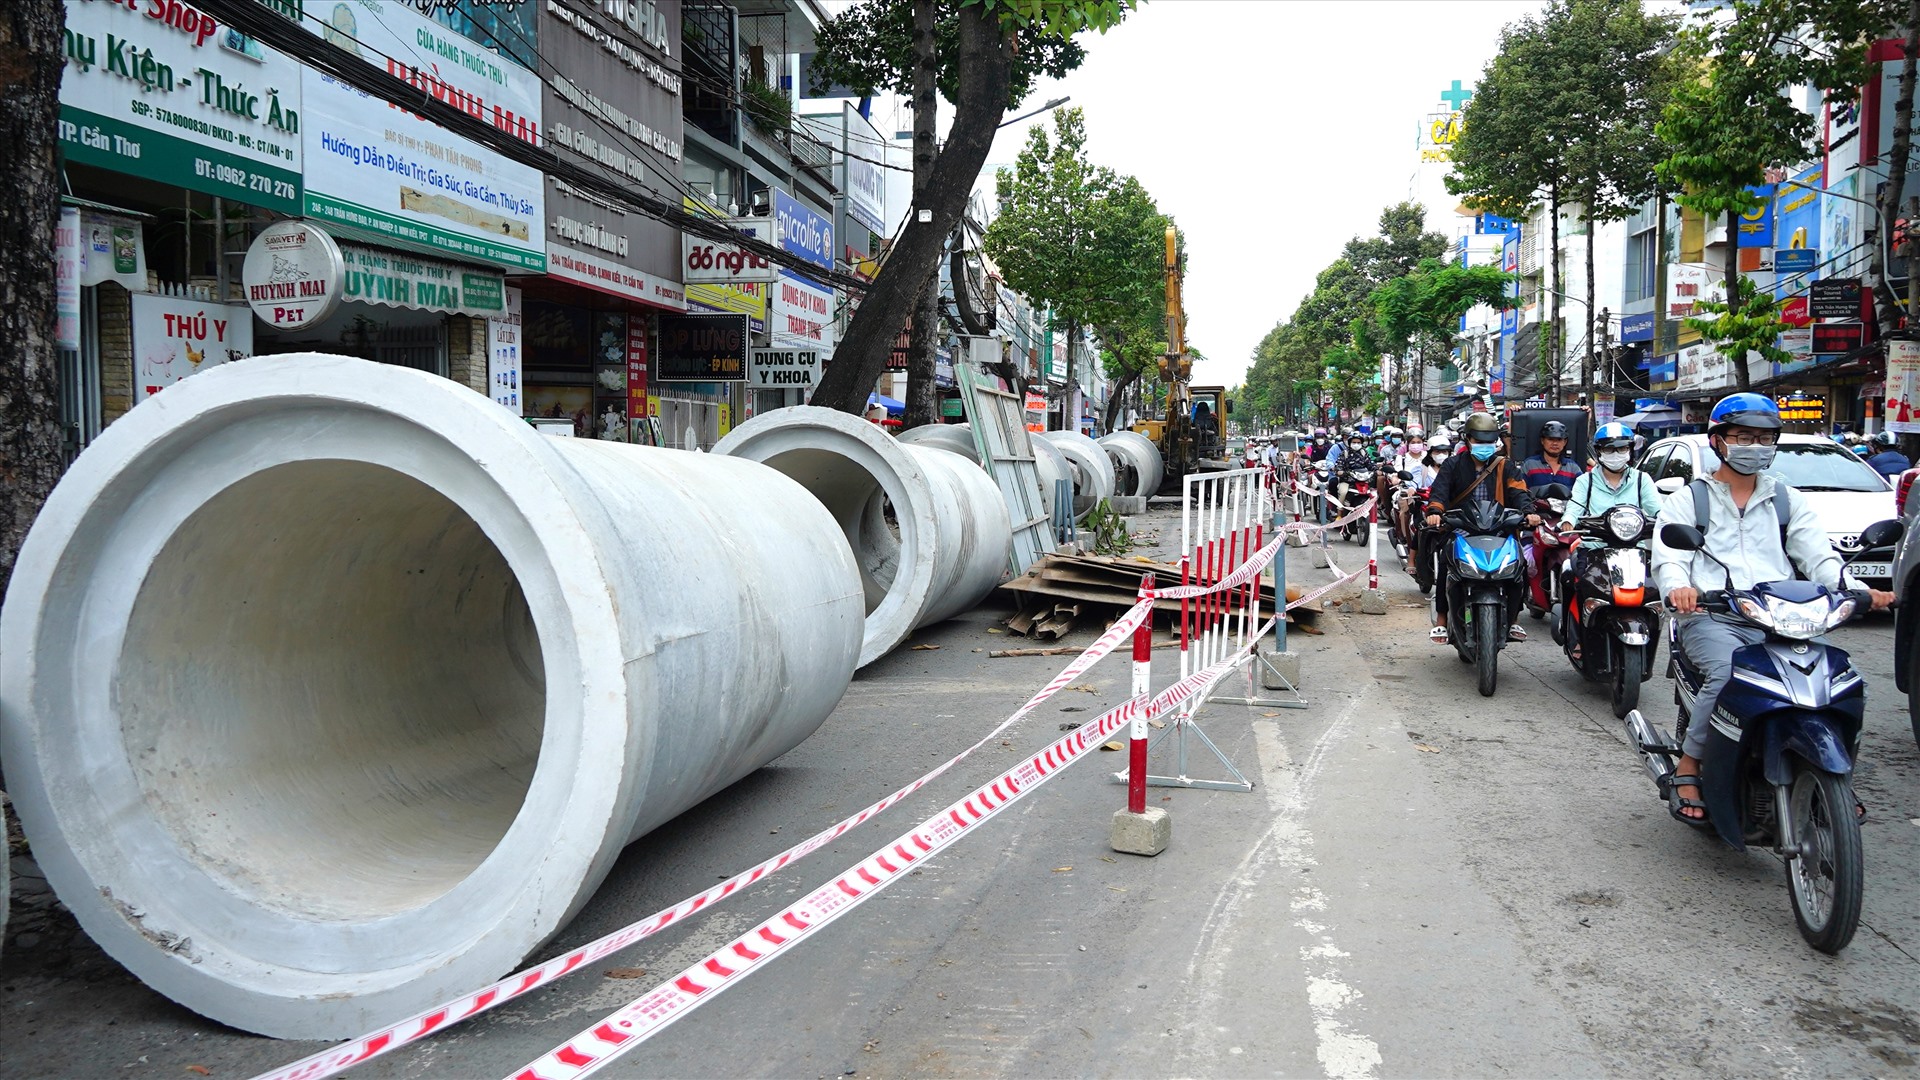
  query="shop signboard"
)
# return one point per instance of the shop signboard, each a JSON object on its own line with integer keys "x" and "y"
{"x": 637, "y": 368}
{"x": 1635, "y": 328}
{"x": 701, "y": 348}
{"x": 1843, "y": 252}
{"x": 403, "y": 280}
{"x": 176, "y": 336}
{"x": 706, "y": 261}
{"x": 161, "y": 91}
{"x": 1701, "y": 367}
{"x": 1793, "y": 311}
{"x": 1830, "y": 339}
{"x": 800, "y": 231}
{"x": 783, "y": 369}
{"x": 1795, "y": 260}
{"x": 612, "y": 104}
{"x": 1834, "y": 298}
{"x": 504, "y": 342}
{"x": 1754, "y": 229}
{"x": 1798, "y": 341}
{"x": 381, "y": 170}
{"x": 66, "y": 279}
{"x": 866, "y": 184}
{"x": 1903, "y": 386}
{"x": 802, "y": 312}
{"x": 1802, "y": 408}
{"x": 1690, "y": 283}
{"x": 293, "y": 275}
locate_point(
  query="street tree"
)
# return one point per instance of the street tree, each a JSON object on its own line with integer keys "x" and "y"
{"x": 984, "y": 57}
{"x": 1085, "y": 241}
{"x": 1749, "y": 323}
{"x": 31, "y": 452}
{"x": 1730, "y": 118}
{"x": 1426, "y": 305}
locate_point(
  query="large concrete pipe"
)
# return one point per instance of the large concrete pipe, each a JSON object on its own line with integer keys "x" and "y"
{"x": 929, "y": 530}
{"x": 955, "y": 437}
{"x": 1094, "y": 479}
{"x": 1136, "y": 462}
{"x": 1052, "y": 466}
{"x": 330, "y": 690}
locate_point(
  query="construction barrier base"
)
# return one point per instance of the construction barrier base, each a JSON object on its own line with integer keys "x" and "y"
{"x": 1146, "y": 833}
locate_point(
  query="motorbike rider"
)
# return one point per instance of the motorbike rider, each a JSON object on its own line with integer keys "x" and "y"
{"x": 1743, "y": 429}
{"x": 1482, "y": 474}
{"x": 1613, "y": 481}
{"x": 1551, "y": 465}
{"x": 1424, "y": 467}
{"x": 1321, "y": 447}
{"x": 1888, "y": 461}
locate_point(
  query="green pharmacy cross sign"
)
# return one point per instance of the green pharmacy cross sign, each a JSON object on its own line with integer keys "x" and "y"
{"x": 1455, "y": 97}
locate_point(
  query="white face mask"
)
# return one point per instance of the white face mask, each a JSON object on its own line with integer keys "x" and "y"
{"x": 1615, "y": 461}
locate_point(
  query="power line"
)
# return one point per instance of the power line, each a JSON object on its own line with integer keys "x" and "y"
{"x": 269, "y": 27}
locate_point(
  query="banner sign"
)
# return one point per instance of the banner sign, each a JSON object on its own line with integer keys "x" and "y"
{"x": 503, "y": 354}
{"x": 1636, "y": 328}
{"x": 636, "y": 367}
{"x": 174, "y": 337}
{"x": 801, "y": 231}
{"x": 1834, "y": 298}
{"x": 783, "y": 369}
{"x": 701, "y": 348}
{"x": 1903, "y": 386}
{"x": 866, "y": 185}
{"x": 1702, "y": 367}
{"x": 399, "y": 280}
{"x": 1755, "y": 227}
{"x": 802, "y": 312}
{"x": 161, "y": 91}
{"x": 66, "y": 279}
{"x": 380, "y": 169}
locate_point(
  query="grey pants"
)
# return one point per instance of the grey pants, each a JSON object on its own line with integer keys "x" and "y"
{"x": 1709, "y": 643}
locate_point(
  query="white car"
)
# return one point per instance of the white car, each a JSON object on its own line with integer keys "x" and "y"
{"x": 1840, "y": 486}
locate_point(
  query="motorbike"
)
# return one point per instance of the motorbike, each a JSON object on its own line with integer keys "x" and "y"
{"x": 1779, "y": 757}
{"x": 1606, "y": 625}
{"x": 1353, "y": 483}
{"x": 1484, "y": 574}
{"x": 1403, "y": 495}
{"x": 1546, "y": 551}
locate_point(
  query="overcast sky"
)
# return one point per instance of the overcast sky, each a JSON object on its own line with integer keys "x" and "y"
{"x": 1272, "y": 132}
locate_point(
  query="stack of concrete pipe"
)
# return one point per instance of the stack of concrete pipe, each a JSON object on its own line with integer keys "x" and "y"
{"x": 329, "y": 690}
{"x": 1136, "y": 462}
{"x": 1092, "y": 470}
{"x": 929, "y": 529}
{"x": 1048, "y": 462}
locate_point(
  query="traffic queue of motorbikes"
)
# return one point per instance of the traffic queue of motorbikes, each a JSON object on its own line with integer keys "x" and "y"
{"x": 1785, "y": 730}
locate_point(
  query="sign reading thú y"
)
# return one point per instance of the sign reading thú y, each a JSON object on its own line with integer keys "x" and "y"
{"x": 158, "y": 89}
{"x": 174, "y": 337}
{"x": 377, "y": 168}
{"x": 292, "y": 275}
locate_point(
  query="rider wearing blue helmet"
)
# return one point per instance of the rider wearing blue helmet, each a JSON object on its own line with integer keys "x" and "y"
{"x": 1614, "y": 481}
{"x": 1744, "y": 509}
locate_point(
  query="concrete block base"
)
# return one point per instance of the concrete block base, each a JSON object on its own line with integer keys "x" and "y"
{"x": 1126, "y": 505}
{"x": 1286, "y": 663}
{"x": 1373, "y": 602}
{"x": 1298, "y": 539}
{"x": 1319, "y": 556}
{"x": 1141, "y": 834}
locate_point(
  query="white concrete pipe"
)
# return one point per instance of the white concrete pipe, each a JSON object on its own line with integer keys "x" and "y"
{"x": 955, "y": 437}
{"x": 1135, "y": 459}
{"x": 929, "y": 530}
{"x": 330, "y": 690}
{"x": 1052, "y": 465}
{"x": 1094, "y": 472}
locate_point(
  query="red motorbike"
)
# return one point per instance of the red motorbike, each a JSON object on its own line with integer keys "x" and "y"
{"x": 1546, "y": 550}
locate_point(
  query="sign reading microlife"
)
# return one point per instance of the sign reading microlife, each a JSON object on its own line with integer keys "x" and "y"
{"x": 292, "y": 275}
{"x": 801, "y": 231}
{"x": 783, "y": 369}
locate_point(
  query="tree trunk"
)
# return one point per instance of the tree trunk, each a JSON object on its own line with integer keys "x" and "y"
{"x": 925, "y": 329}
{"x": 1116, "y": 397}
{"x": 1741, "y": 378}
{"x": 1555, "y": 343}
{"x": 1898, "y": 154}
{"x": 1069, "y": 414}
{"x": 985, "y": 65}
{"x": 1586, "y": 361}
{"x": 31, "y": 452}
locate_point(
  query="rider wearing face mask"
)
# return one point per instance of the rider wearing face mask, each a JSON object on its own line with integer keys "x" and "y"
{"x": 1743, "y": 531}
{"x": 1481, "y": 474}
{"x": 1614, "y": 481}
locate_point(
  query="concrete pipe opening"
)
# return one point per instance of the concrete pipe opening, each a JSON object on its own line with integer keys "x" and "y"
{"x": 928, "y": 529}
{"x": 1052, "y": 466}
{"x": 955, "y": 437}
{"x": 1094, "y": 479}
{"x": 330, "y": 690}
{"x": 1137, "y": 466}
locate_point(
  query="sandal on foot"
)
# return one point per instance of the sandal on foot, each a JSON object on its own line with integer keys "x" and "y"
{"x": 1515, "y": 633}
{"x": 1678, "y": 804}
{"x": 1437, "y": 635}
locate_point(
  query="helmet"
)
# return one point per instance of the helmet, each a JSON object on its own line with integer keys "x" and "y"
{"x": 1483, "y": 428}
{"x": 1613, "y": 436}
{"x": 1442, "y": 441}
{"x": 1883, "y": 438}
{"x": 1863, "y": 450}
{"x": 1553, "y": 429}
{"x": 1744, "y": 409}
{"x": 1415, "y": 431}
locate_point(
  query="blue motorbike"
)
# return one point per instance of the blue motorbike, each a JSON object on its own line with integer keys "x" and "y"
{"x": 1485, "y": 576}
{"x": 1777, "y": 766}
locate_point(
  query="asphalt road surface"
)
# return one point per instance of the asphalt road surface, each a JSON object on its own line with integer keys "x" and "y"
{"x": 1423, "y": 882}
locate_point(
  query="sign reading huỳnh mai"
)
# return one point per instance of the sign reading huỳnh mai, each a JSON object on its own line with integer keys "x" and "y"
{"x": 292, "y": 275}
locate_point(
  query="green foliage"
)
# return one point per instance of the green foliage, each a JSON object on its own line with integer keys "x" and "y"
{"x": 1431, "y": 300}
{"x": 766, "y": 107}
{"x": 1748, "y": 324}
{"x": 1109, "y": 530}
{"x": 869, "y": 46}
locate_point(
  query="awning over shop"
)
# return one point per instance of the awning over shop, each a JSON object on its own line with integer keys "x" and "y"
{"x": 404, "y": 280}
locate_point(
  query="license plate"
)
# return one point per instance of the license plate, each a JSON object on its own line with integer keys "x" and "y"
{"x": 1871, "y": 569}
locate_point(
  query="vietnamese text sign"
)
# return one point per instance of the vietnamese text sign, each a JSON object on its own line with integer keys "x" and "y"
{"x": 66, "y": 279}
{"x": 1903, "y": 386}
{"x": 380, "y": 169}
{"x": 701, "y": 348}
{"x": 783, "y": 369}
{"x": 503, "y": 353}
{"x": 414, "y": 281}
{"x": 292, "y": 275}
{"x": 802, "y": 312}
{"x": 636, "y": 367}
{"x": 1834, "y": 298}
{"x": 1832, "y": 338}
{"x": 161, "y": 91}
{"x": 174, "y": 337}
{"x": 1701, "y": 367}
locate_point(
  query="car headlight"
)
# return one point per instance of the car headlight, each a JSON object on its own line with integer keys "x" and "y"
{"x": 1626, "y": 523}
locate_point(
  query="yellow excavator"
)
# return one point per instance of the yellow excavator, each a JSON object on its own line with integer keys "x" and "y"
{"x": 1192, "y": 431}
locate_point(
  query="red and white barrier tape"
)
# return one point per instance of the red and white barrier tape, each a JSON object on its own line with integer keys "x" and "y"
{"x": 625, "y": 1029}
{"x": 341, "y": 1057}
